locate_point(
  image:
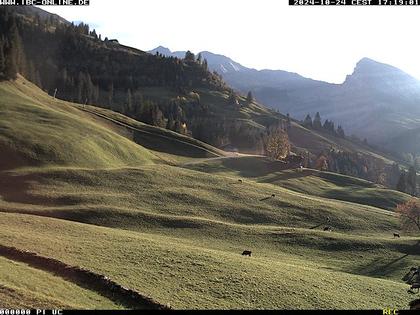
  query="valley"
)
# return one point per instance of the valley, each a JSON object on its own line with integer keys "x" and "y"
{"x": 134, "y": 180}
{"x": 174, "y": 228}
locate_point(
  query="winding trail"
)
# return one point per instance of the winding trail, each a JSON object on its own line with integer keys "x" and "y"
{"x": 84, "y": 278}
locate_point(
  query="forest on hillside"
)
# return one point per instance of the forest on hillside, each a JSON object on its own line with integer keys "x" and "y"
{"x": 81, "y": 66}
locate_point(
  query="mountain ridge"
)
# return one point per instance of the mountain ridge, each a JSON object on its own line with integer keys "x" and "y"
{"x": 376, "y": 101}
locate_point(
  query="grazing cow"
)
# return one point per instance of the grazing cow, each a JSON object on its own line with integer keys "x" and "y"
{"x": 396, "y": 235}
{"x": 327, "y": 228}
{"x": 415, "y": 305}
{"x": 246, "y": 253}
{"x": 273, "y": 195}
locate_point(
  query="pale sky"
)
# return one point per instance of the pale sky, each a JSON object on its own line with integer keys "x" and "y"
{"x": 322, "y": 43}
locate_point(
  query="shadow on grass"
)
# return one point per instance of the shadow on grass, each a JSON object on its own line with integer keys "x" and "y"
{"x": 288, "y": 175}
{"x": 17, "y": 188}
{"x": 254, "y": 166}
{"x": 317, "y": 226}
{"x": 384, "y": 267}
{"x": 163, "y": 144}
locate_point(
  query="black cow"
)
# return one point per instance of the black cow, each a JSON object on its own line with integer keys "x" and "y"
{"x": 246, "y": 253}
{"x": 396, "y": 235}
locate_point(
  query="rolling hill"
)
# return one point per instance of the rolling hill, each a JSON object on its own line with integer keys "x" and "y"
{"x": 173, "y": 225}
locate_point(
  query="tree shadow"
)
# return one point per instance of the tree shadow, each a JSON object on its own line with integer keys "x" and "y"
{"x": 317, "y": 226}
{"x": 288, "y": 175}
{"x": 17, "y": 188}
{"x": 384, "y": 267}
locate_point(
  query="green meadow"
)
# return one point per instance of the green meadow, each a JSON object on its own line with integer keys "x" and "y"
{"x": 169, "y": 216}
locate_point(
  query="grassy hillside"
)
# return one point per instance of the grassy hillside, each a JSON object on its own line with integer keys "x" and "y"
{"x": 42, "y": 132}
{"x": 169, "y": 218}
{"x": 307, "y": 181}
{"x": 189, "y": 274}
{"x": 172, "y": 146}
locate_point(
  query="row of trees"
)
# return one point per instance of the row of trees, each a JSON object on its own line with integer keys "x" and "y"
{"x": 12, "y": 59}
{"x": 328, "y": 125}
{"x": 353, "y": 164}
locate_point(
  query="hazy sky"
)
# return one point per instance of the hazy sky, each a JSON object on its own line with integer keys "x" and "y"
{"x": 322, "y": 43}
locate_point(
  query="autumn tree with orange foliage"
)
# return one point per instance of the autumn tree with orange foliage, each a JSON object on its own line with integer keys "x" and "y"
{"x": 276, "y": 143}
{"x": 409, "y": 213}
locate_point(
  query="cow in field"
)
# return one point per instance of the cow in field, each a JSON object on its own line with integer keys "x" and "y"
{"x": 246, "y": 253}
{"x": 396, "y": 235}
{"x": 415, "y": 305}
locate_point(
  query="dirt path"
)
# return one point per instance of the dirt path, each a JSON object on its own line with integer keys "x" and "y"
{"x": 84, "y": 278}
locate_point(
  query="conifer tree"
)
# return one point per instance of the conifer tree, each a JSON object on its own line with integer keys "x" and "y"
{"x": 340, "y": 132}
{"x": 129, "y": 101}
{"x": 317, "y": 121}
{"x": 402, "y": 182}
{"x": 10, "y": 68}
{"x": 2, "y": 59}
{"x": 308, "y": 121}
{"x": 249, "y": 97}
{"x": 189, "y": 56}
{"x": 412, "y": 180}
{"x": 288, "y": 122}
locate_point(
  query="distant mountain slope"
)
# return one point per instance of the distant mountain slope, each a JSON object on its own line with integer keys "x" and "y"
{"x": 222, "y": 64}
{"x": 377, "y": 101}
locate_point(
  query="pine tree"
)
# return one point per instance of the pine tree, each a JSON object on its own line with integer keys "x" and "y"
{"x": 13, "y": 51}
{"x": 412, "y": 180}
{"x": 189, "y": 56}
{"x": 129, "y": 101}
{"x": 402, "y": 182}
{"x": 16, "y": 48}
{"x": 110, "y": 94}
{"x": 288, "y": 122}
{"x": 31, "y": 72}
{"x": 340, "y": 132}
{"x": 308, "y": 121}
{"x": 2, "y": 59}
{"x": 249, "y": 97}
{"x": 317, "y": 121}
{"x": 10, "y": 67}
